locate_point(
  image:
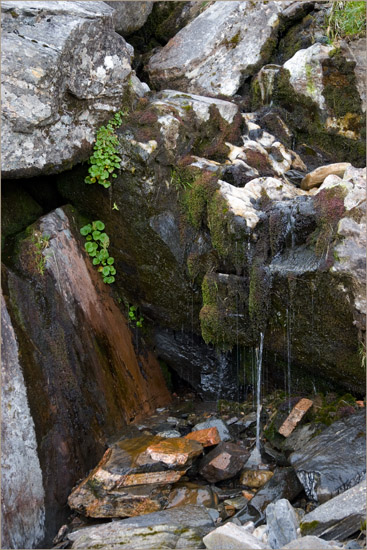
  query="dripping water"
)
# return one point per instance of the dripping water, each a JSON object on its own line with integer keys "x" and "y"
{"x": 289, "y": 356}
{"x": 259, "y": 358}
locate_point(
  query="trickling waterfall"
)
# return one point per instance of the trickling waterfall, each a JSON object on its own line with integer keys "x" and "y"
{"x": 259, "y": 359}
{"x": 289, "y": 356}
{"x": 266, "y": 82}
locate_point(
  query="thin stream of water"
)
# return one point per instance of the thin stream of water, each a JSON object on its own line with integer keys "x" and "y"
{"x": 259, "y": 359}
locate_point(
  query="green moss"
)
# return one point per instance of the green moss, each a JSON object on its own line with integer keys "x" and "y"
{"x": 197, "y": 197}
{"x": 219, "y": 218}
{"x": 311, "y": 88}
{"x": 233, "y": 41}
{"x": 308, "y": 527}
{"x": 210, "y": 321}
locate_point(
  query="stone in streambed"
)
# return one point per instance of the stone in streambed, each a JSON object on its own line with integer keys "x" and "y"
{"x": 333, "y": 461}
{"x": 339, "y": 517}
{"x": 223, "y": 462}
{"x": 175, "y": 451}
{"x": 295, "y": 416}
{"x": 255, "y": 478}
{"x": 282, "y": 523}
{"x": 283, "y": 484}
{"x": 206, "y": 437}
{"x": 317, "y": 176}
{"x": 182, "y": 527}
{"x": 126, "y": 482}
{"x": 214, "y": 423}
{"x": 183, "y": 493}
{"x": 312, "y": 543}
{"x": 232, "y": 537}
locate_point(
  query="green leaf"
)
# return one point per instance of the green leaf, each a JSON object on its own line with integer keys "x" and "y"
{"x": 89, "y": 246}
{"x": 106, "y": 270}
{"x": 96, "y": 261}
{"x": 96, "y": 235}
{"x": 104, "y": 254}
{"x": 112, "y": 270}
{"x": 99, "y": 225}
{"x": 86, "y": 229}
{"x": 110, "y": 260}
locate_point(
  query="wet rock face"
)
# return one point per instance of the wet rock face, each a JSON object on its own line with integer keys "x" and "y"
{"x": 58, "y": 88}
{"x": 323, "y": 465}
{"x": 213, "y": 59}
{"x": 23, "y": 510}
{"x": 83, "y": 378}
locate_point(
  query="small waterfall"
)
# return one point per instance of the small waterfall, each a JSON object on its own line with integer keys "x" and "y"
{"x": 266, "y": 82}
{"x": 222, "y": 362}
{"x": 259, "y": 359}
{"x": 289, "y": 356}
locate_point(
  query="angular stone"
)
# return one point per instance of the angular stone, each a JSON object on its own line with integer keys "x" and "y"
{"x": 283, "y": 484}
{"x": 232, "y": 537}
{"x": 216, "y": 59}
{"x": 214, "y": 423}
{"x": 282, "y": 523}
{"x": 185, "y": 493}
{"x": 182, "y": 527}
{"x": 175, "y": 451}
{"x": 325, "y": 465}
{"x": 255, "y": 478}
{"x": 207, "y": 437}
{"x": 223, "y": 462}
{"x": 130, "y": 16}
{"x": 295, "y": 416}
{"x": 339, "y": 517}
{"x": 311, "y": 543}
{"x": 50, "y": 116}
{"x": 317, "y": 176}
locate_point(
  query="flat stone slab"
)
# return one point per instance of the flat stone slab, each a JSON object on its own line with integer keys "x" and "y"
{"x": 295, "y": 416}
{"x": 175, "y": 451}
{"x": 312, "y": 543}
{"x": 333, "y": 461}
{"x": 317, "y": 176}
{"x": 206, "y": 437}
{"x": 340, "y": 517}
{"x": 182, "y": 527}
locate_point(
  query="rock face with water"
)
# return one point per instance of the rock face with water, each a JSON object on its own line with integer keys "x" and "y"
{"x": 182, "y": 527}
{"x": 340, "y": 517}
{"x": 57, "y": 87}
{"x": 324, "y": 466}
{"x": 81, "y": 372}
{"x": 219, "y": 49}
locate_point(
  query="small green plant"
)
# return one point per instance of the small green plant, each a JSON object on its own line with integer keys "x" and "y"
{"x": 178, "y": 181}
{"x": 135, "y": 317}
{"x": 346, "y": 19}
{"x": 96, "y": 246}
{"x": 40, "y": 242}
{"x": 105, "y": 159}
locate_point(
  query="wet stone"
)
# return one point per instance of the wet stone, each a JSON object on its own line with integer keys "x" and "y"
{"x": 295, "y": 417}
{"x": 175, "y": 451}
{"x": 186, "y": 493}
{"x": 215, "y": 423}
{"x": 206, "y": 437}
{"x": 282, "y": 523}
{"x": 223, "y": 462}
{"x": 232, "y": 537}
{"x": 283, "y": 484}
{"x": 255, "y": 478}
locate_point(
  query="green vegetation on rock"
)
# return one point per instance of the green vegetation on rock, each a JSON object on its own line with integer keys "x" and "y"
{"x": 105, "y": 159}
{"x": 96, "y": 246}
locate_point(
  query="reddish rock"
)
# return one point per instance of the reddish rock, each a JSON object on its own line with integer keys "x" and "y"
{"x": 295, "y": 416}
{"x": 191, "y": 493}
{"x": 207, "y": 437}
{"x": 176, "y": 451}
{"x": 223, "y": 462}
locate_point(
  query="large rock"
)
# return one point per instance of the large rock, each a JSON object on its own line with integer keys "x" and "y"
{"x": 310, "y": 543}
{"x": 340, "y": 517}
{"x": 57, "y": 87}
{"x": 282, "y": 485}
{"x": 84, "y": 380}
{"x": 282, "y": 523}
{"x": 23, "y": 503}
{"x": 223, "y": 462}
{"x": 182, "y": 527}
{"x": 130, "y": 16}
{"x": 333, "y": 461}
{"x": 219, "y": 49}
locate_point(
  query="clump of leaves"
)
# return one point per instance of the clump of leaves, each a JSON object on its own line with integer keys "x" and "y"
{"x": 347, "y": 19}
{"x": 40, "y": 241}
{"x": 135, "y": 317}
{"x": 96, "y": 246}
{"x": 105, "y": 159}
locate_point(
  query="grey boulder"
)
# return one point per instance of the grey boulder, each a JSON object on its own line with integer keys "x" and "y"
{"x": 219, "y": 49}
{"x": 57, "y": 87}
{"x": 182, "y": 527}
{"x": 130, "y": 16}
{"x": 311, "y": 543}
{"x": 333, "y": 461}
{"x": 282, "y": 523}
